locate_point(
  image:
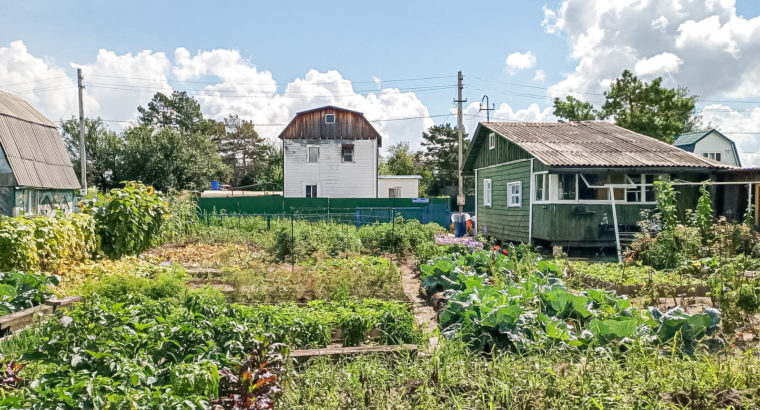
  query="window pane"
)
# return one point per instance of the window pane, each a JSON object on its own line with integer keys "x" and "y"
{"x": 585, "y": 192}
{"x": 348, "y": 154}
{"x": 330, "y": 118}
{"x": 566, "y": 187}
{"x": 634, "y": 194}
{"x": 540, "y": 187}
{"x": 649, "y": 189}
{"x": 717, "y": 156}
{"x": 313, "y": 154}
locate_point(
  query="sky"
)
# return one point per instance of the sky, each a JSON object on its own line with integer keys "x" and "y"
{"x": 394, "y": 61}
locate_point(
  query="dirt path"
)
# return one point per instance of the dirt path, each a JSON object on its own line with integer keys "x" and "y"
{"x": 424, "y": 314}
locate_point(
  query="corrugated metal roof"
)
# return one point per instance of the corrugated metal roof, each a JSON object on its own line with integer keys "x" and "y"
{"x": 33, "y": 146}
{"x": 594, "y": 144}
{"x": 690, "y": 137}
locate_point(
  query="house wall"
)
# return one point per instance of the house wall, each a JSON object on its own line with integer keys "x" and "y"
{"x": 333, "y": 177}
{"x": 41, "y": 201}
{"x": 581, "y": 224}
{"x": 409, "y": 187}
{"x": 503, "y": 150}
{"x": 500, "y": 221}
{"x": 715, "y": 143}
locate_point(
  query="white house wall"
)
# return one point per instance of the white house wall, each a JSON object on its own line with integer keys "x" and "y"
{"x": 409, "y": 187}
{"x": 714, "y": 143}
{"x": 333, "y": 177}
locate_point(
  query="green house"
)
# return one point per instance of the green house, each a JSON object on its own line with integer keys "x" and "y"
{"x": 566, "y": 183}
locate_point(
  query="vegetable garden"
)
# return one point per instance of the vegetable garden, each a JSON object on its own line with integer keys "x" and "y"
{"x": 178, "y": 312}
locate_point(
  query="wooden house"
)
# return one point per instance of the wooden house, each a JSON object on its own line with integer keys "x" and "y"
{"x": 710, "y": 144}
{"x": 330, "y": 152}
{"x": 566, "y": 183}
{"x": 36, "y": 174}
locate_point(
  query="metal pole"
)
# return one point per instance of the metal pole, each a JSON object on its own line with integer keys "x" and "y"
{"x": 460, "y": 192}
{"x": 615, "y": 221}
{"x": 82, "y": 152}
{"x": 393, "y": 227}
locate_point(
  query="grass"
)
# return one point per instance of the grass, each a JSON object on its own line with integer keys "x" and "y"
{"x": 455, "y": 378}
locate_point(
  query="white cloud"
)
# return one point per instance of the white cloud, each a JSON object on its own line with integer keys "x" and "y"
{"x": 540, "y": 75}
{"x": 221, "y": 80}
{"x": 664, "y": 63}
{"x": 518, "y": 61}
{"x": 718, "y": 49}
{"x": 48, "y": 88}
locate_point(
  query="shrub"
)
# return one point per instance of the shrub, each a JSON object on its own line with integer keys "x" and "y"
{"x": 45, "y": 242}
{"x": 183, "y": 217}
{"x": 20, "y": 290}
{"x": 129, "y": 220}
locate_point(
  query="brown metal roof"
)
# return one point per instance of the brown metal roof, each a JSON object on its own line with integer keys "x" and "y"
{"x": 33, "y": 146}
{"x": 595, "y": 144}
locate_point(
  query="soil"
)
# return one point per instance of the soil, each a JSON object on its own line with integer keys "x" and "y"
{"x": 424, "y": 314}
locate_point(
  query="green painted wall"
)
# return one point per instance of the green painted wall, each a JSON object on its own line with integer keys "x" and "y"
{"x": 579, "y": 224}
{"x": 503, "y": 151}
{"x": 501, "y": 221}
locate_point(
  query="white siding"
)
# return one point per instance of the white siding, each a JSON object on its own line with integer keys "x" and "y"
{"x": 409, "y": 187}
{"x": 715, "y": 143}
{"x": 333, "y": 177}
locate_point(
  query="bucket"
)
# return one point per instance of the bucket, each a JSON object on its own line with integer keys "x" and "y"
{"x": 214, "y": 185}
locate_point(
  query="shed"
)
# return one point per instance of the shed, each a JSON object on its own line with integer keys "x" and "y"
{"x": 398, "y": 186}
{"x": 550, "y": 182}
{"x": 36, "y": 174}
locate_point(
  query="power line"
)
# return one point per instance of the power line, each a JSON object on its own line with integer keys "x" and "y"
{"x": 34, "y": 81}
{"x": 275, "y": 83}
{"x": 284, "y": 124}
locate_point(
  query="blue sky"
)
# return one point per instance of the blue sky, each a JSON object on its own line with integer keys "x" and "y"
{"x": 362, "y": 41}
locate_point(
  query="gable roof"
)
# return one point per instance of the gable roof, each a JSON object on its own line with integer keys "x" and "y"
{"x": 689, "y": 140}
{"x": 588, "y": 144}
{"x": 33, "y": 146}
{"x": 348, "y": 124}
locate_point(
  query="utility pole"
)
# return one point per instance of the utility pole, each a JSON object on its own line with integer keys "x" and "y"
{"x": 82, "y": 152}
{"x": 459, "y": 101}
{"x": 487, "y": 109}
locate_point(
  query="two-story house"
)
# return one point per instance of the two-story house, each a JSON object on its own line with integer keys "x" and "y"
{"x": 710, "y": 144}
{"x": 330, "y": 152}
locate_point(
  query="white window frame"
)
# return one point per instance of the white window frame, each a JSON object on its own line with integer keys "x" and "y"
{"x": 510, "y": 204}
{"x": 329, "y": 115}
{"x": 308, "y": 154}
{"x": 552, "y": 191}
{"x": 343, "y": 154}
{"x": 545, "y": 195}
{"x": 396, "y": 192}
{"x": 492, "y": 140}
{"x": 487, "y": 193}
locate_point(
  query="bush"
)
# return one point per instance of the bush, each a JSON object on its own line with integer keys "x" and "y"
{"x": 129, "y": 220}
{"x": 45, "y": 242}
{"x": 183, "y": 217}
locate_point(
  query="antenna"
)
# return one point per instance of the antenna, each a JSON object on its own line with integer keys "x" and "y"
{"x": 486, "y": 109}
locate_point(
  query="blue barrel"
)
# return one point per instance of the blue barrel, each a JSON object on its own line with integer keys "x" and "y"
{"x": 214, "y": 185}
{"x": 460, "y": 224}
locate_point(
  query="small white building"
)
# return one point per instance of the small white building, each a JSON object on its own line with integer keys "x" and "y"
{"x": 398, "y": 186}
{"x": 710, "y": 144}
{"x": 330, "y": 152}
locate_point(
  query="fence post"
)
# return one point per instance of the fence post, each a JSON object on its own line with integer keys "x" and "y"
{"x": 292, "y": 243}
{"x": 393, "y": 227}
{"x": 269, "y": 222}
{"x": 357, "y": 218}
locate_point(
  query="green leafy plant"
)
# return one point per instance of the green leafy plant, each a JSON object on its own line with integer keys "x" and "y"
{"x": 22, "y": 290}
{"x": 129, "y": 219}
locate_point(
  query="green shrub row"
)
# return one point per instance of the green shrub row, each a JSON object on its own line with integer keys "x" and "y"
{"x": 45, "y": 243}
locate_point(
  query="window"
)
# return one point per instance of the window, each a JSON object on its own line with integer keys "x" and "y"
{"x": 313, "y": 154}
{"x": 592, "y": 186}
{"x": 311, "y": 191}
{"x": 491, "y": 140}
{"x": 514, "y": 194}
{"x": 348, "y": 153}
{"x": 712, "y": 155}
{"x": 329, "y": 118}
{"x": 542, "y": 187}
{"x": 566, "y": 187}
{"x": 634, "y": 194}
{"x": 394, "y": 192}
{"x": 486, "y": 192}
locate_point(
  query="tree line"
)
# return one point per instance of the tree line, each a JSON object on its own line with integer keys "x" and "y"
{"x": 173, "y": 146}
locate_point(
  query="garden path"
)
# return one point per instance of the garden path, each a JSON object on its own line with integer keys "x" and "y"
{"x": 424, "y": 314}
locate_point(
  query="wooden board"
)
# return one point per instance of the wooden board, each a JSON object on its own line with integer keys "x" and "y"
{"x": 337, "y": 352}
{"x": 18, "y": 320}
